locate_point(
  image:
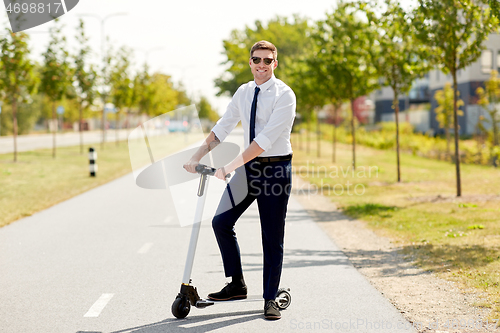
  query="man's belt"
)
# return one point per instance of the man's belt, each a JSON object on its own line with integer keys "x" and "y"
{"x": 274, "y": 158}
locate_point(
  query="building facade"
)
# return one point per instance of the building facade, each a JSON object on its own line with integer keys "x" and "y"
{"x": 423, "y": 90}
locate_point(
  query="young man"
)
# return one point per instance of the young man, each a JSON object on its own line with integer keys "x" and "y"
{"x": 266, "y": 109}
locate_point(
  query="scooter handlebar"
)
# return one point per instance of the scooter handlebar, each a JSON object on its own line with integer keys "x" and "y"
{"x": 206, "y": 170}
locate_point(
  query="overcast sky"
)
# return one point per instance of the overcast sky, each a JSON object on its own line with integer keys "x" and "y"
{"x": 184, "y": 36}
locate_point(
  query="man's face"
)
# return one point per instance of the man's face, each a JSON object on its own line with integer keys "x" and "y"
{"x": 262, "y": 72}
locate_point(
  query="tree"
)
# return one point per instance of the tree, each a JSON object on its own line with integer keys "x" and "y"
{"x": 163, "y": 95}
{"x": 143, "y": 91}
{"x": 455, "y": 31}
{"x": 319, "y": 86}
{"x": 489, "y": 99}
{"x": 56, "y": 74}
{"x": 444, "y": 112}
{"x": 291, "y": 40}
{"x": 85, "y": 78}
{"x": 105, "y": 86}
{"x": 17, "y": 80}
{"x": 346, "y": 52}
{"x": 495, "y": 8}
{"x": 401, "y": 57}
{"x": 309, "y": 91}
{"x": 121, "y": 83}
{"x": 205, "y": 110}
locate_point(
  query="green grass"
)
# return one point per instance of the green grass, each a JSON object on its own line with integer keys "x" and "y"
{"x": 458, "y": 239}
{"x": 38, "y": 181}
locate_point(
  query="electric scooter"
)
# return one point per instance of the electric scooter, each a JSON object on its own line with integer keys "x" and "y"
{"x": 188, "y": 295}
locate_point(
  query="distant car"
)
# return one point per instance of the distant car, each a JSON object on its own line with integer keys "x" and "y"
{"x": 177, "y": 125}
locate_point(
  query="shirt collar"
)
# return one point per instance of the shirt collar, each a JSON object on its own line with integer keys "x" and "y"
{"x": 264, "y": 86}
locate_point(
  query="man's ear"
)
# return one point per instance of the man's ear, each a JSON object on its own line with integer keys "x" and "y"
{"x": 275, "y": 63}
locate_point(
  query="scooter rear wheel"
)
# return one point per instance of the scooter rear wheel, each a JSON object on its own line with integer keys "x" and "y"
{"x": 283, "y": 299}
{"x": 181, "y": 307}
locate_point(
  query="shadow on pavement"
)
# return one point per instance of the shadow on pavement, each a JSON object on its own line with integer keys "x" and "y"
{"x": 195, "y": 323}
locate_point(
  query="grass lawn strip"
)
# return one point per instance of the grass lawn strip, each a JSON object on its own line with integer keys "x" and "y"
{"x": 458, "y": 238}
{"x": 38, "y": 181}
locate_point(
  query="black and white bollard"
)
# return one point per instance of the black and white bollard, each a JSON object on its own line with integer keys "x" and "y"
{"x": 92, "y": 162}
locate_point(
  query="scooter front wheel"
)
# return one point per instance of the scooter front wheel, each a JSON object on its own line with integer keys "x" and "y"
{"x": 181, "y": 307}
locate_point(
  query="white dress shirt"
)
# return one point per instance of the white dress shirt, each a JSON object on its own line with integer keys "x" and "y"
{"x": 273, "y": 122}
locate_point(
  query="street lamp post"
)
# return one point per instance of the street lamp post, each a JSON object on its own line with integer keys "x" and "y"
{"x": 103, "y": 56}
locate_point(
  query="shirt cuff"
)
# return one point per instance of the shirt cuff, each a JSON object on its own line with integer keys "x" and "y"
{"x": 263, "y": 141}
{"x": 219, "y": 132}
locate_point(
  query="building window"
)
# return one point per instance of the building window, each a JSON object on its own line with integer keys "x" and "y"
{"x": 486, "y": 61}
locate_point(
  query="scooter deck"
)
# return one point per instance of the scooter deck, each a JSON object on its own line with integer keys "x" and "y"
{"x": 250, "y": 298}
{"x": 203, "y": 303}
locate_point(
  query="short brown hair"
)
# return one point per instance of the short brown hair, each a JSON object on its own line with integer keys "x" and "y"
{"x": 264, "y": 45}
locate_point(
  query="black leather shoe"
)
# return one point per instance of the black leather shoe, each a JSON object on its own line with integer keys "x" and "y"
{"x": 271, "y": 310}
{"x": 230, "y": 291}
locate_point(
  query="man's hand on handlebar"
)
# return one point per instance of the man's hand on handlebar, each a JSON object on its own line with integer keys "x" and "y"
{"x": 190, "y": 166}
{"x": 221, "y": 173}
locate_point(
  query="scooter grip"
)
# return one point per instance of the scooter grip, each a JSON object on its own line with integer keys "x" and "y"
{"x": 201, "y": 168}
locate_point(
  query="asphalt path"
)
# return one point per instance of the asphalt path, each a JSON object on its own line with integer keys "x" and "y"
{"x": 41, "y": 141}
{"x": 112, "y": 259}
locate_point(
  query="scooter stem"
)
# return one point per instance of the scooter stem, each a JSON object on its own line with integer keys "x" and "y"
{"x": 198, "y": 215}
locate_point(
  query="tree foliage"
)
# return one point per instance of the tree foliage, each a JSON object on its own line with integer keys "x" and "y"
{"x": 85, "y": 78}
{"x": 120, "y": 79}
{"x": 291, "y": 40}
{"x": 455, "y": 31}
{"x": 17, "y": 80}
{"x": 401, "y": 57}
{"x": 345, "y": 56}
{"x": 56, "y": 73}
{"x": 489, "y": 99}
{"x": 444, "y": 111}
{"x": 205, "y": 110}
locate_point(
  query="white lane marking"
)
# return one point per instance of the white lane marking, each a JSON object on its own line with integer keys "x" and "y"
{"x": 99, "y": 305}
{"x": 145, "y": 248}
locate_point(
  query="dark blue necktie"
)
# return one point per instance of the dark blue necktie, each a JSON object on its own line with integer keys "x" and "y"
{"x": 253, "y": 113}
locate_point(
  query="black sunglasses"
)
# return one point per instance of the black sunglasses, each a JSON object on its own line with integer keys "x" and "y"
{"x": 267, "y": 61}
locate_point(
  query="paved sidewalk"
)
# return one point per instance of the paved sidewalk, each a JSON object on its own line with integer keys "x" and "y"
{"x": 112, "y": 259}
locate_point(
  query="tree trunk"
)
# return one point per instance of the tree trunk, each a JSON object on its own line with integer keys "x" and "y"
{"x": 117, "y": 127}
{"x": 395, "y": 102}
{"x": 457, "y": 134}
{"x": 318, "y": 135}
{"x": 334, "y": 148}
{"x": 128, "y": 122}
{"x": 103, "y": 122}
{"x": 54, "y": 120}
{"x": 495, "y": 129}
{"x": 448, "y": 139}
{"x": 308, "y": 135}
{"x": 299, "y": 144}
{"x": 14, "y": 126}
{"x": 80, "y": 122}
{"x": 353, "y": 131}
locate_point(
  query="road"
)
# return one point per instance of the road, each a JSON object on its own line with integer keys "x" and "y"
{"x": 40, "y": 141}
{"x": 112, "y": 259}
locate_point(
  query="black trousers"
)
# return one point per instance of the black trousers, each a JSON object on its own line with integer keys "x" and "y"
{"x": 270, "y": 184}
